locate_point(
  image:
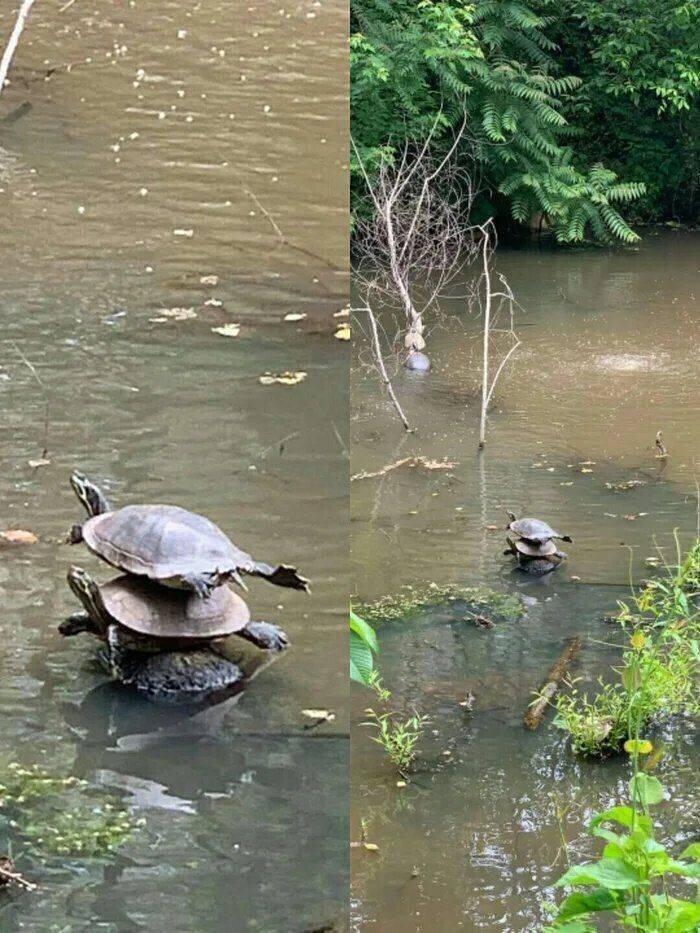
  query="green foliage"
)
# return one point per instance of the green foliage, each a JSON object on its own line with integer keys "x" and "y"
{"x": 53, "y": 815}
{"x": 636, "y": 108}
{"x": 628, "y": 880}
{"x": 659, "y": 673}
{"x": 363, "y": 647}
{"x": 416, "y": 64}
{"x": 399, "y": 738}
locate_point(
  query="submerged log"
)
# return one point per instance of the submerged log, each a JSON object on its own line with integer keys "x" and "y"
{"x": 10, "y": 875}
{"x": 535, "y": 712}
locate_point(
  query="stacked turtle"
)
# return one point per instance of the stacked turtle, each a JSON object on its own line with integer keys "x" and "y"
{"x": 164, "y": 620}
{"x": 534, "y": 545}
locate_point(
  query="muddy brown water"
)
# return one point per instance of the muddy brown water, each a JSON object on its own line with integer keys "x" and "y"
{"x": 226, "y": 120}
{"x": 609, "y": 357}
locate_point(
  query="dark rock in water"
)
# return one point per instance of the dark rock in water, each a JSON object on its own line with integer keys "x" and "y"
{"x": 537, "y": 567}
{"x": 175, "y": 676}
{"x": 417, "y": 362}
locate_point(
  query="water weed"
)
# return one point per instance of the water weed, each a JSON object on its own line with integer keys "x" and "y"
{"x": 660, "y": 665}
{"x": 395, "y": 607}
{"x": 398, "y": 737}
{"x": 630, "y": 879}
{"x": 54, "y": 815}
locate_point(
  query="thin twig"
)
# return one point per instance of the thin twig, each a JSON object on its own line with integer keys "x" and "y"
{"x": 382, "y": 368}
{"x": 32, "y": 369}
{"x": 14, "y": 40}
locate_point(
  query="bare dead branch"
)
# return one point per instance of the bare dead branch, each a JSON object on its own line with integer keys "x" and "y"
{"x": 415, "y": 236}
{"x": 379, "y": 359}
{"x": 504, "y": 297}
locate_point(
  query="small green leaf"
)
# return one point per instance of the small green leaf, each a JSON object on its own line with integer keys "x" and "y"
{"x": 364, "y": 631}
{"x": 646, "y": 789}
{"x": 361, "y": 661}
{"x": 692, "y": 851}
{"x": 610, "y": 873}
{"x": 581, "y": 903}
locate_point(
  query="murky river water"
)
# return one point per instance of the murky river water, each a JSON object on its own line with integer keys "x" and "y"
{"x": 180, "y": 158}
{"x": 609, "y": 357}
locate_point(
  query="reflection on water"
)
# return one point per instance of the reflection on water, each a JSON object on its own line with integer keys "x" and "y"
{"x": 607, "y": 360}
{"x": 223, "y": 119}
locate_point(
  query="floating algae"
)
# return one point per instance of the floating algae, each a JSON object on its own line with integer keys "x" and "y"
{"x": 396, "y": 607}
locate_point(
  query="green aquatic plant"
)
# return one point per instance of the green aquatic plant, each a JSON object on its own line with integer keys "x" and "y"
{"x": 660, "y": 665}
{"x": 629, "y": 880}
{"x": 363, "y": 648}
{"x": 395, "y": 607}
{"x": 55, "y": 816}
{"x": 398, "y": 737}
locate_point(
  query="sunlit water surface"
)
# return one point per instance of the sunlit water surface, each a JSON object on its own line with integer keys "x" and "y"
{"x": 179, "y": 158}
{"x": 608, "y": 357}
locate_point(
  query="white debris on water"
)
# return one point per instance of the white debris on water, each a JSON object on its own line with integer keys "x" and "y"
{"x": 630, "y": 362}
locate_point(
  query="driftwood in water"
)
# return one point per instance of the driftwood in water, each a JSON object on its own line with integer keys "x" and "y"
{"x": 535, "y": 712}
{"x": 10, "y": 875}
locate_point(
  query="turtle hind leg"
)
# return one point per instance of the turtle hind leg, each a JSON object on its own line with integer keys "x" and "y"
{"x": 77, "y": 623}
{"x": 283, "y": 575}
{"x": 202, "y": 583}
{"x": 265, "y": 635}
{"x": 567, "y": 538}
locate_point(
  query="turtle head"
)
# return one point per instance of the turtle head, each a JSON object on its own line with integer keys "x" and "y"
{"x": 88, "y": 592}
{"x": 82, "y": 584}
{"x": 511, "y": 517}
{"x": 89, "y": 494}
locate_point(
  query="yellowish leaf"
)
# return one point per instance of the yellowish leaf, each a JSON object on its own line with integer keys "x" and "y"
{"x": 18, "y": 536}
{"x": 284, "y": 379}
{"x": 343, "y": 332}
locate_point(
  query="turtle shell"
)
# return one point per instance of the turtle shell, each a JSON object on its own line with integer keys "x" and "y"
{"x": 545, "y": 549}
{"x": 533, "y": 529}
{"x": 163, "y": 542}
{"x": 149, "y": 609}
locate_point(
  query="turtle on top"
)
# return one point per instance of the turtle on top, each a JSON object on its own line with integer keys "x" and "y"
{"x": 164, "y": 621}
{"x": 534, "y": 545}
{"x": 168, "y": 544}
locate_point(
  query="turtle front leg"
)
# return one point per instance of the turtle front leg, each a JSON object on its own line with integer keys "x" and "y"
{"x": 77, "y": 623}
{"x": 265, "y": 635}
{"x": 284, "y": 575}
{"x": 75, "y": 534}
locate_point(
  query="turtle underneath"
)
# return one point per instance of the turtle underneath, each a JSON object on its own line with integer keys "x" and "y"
{"x": 164, "y": 642}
